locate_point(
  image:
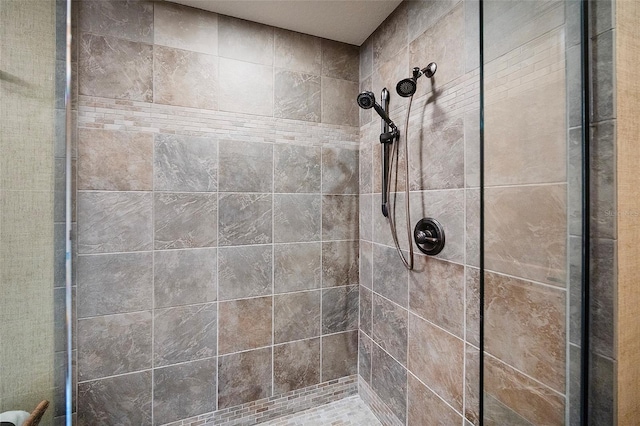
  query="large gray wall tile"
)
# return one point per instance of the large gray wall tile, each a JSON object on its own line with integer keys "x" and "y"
{"x": 245, "y": 166}
{"x": 389, "y": 381}
{"x": 340, "y": 60}
{"x": 184, "y": 220}
{"x": 339, "y": 171}
{"x": 114, "y": 283}
{"x": 185, "y": 28}
{"x": 245, "y": 40}
{"x": 389, "y": 275}
{"x": 114, "y": 344}
{"x": 245, "y": 87}
{"x": 296, "y": 316}
{"x": 183, "y": 277}
{"x": 297, "y": 267}
{"x": 244, "y": 271}
{"x": 296, "y": 365}
{"x": 339, "y": 355}
{"x": 339, "y": 309}
{"x": 245, "y": 219}
{"x": 297, "y": 96}
{"x": 340, "y": 217}
{"x": 114, "y": 222}
{"x": 339, "y": 263}
{"x": 296, "y": 168}
{"x": 130, "y": 19}
{"x": 244, "y": 377}
{"x": 245, "y": 324}
{"x": 297, "y": 51}
{"x": 338, "y": 102}
{"x": 184, "y": 333}
{"x": 390, "y": 327}
{"x": 296, "y": 218}
{"x": 184, "y": 163}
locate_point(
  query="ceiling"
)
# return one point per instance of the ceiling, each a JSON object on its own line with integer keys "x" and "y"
{"x": 348, "y": 21}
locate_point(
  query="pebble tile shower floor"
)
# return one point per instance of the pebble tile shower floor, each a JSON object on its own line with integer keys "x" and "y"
{"x": 351, "y": 411}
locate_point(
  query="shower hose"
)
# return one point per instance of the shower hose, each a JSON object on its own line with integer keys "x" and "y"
{"x": 408, "y": 263}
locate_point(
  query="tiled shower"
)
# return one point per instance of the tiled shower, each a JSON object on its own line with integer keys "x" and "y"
{"x": 231, "y": 262}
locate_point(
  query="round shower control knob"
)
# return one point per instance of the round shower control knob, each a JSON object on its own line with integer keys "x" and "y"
{"x": 429, "y": 236}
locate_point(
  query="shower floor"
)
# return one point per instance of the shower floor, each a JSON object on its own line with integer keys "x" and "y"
{"x": 351, "y": 411}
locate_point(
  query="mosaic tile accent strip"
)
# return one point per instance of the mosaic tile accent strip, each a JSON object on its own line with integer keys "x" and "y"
{"x": 288, "y": 404}
{"x": 377, "y": 406}
{"x": 119, "y": 114}
{"x": 351, "y": 411}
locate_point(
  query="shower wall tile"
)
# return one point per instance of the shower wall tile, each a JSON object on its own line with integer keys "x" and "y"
{"x": 389, "y": 381}
{"x": 297, "y": 267}
{"x": 510, "y": 305}
{"x": 185, "y": 78}
{"x": 114, "y": 344}
{"x": 296, "y": 168}
{"x": 531, "y": 400}
{"x": 424, "y": 406}
{"x": 340, "y": 60}
{"x": 437, "y": 155}
{"x": 602, "y": 297}
{"x": 366, "y": 264}
{"x": 389, "y": 275}
{"x": 602, "y": 378}
{"x": 296, "y": 316}
{"x": 338, "y": 106}
{"x": 340, "y": 217}
{"x": 115, "y": 68}
{"x": 472, "y": 148}
{"x": 472, "y": 228}
{"x": 185, "y": 163}
{"x": 339, "y": 355}
{"x": 390, "y": 328}
{"x": 184, "y": 277}
{"x": 297, "y": 96}
{"x": 114, "y": 283}
{"x": 472, "y": 309}
{"x": 244, "y": 271}
{"x": 366, "y": 216}
{"x": 366, "y": 59}
{"x": 129, "y": 19}
{"x": 602, "y": 185}
{"x": 390, "y": 36}
{"x": 437, "y": 359}
{"x": 472, "y": 385}
{"x": 244, "y": 377}
{"x": 339, "y": 263}
{"x": 185, "y": 28}
{"x": 184, "y": 390}
{"x": 364, "y": 357}
{"x": 365, "y": 160}
{"x": 366, "y": 311}
{"x": 296, "y": 218}
{"x": 245, "y": 166}
{"x": 245, "y": 219}
{"x": 472, "y": 35}
{"x": 245, "y": 87}
{"x": 603, "y": 82}
{"x": 437, "y": 293}
{"x": 296, "y": 365}
{"x": 297, "y": 52}
{"x": 339, "y": 171}
{"x": 386, "y": 74}
{"x": 245, "y": 40}
{"x": 423, "y": 14}
{"x": 443, "y": 44}
{"x": 184, "y": 333}
{"x": 114, "y": 222}
{"x": 448, "y": 208}
{"x": 116, "y": 161}
{"x": 515, "y": 216}
{"x": 245, "y": 324}
{"x": 121, "y": 400}
{"x": 184, "y": 220}
{"x": 339, "y": 309}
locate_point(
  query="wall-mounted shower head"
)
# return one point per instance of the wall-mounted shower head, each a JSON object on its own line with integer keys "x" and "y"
{"x": 408, "y": 86}
{"x": 367, "y": 100}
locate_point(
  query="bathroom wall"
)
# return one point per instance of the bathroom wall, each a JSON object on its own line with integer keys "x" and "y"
{"x": 27, "y": 103}
{"x": 419, "y": 330}
{"x": 217, "y": 212}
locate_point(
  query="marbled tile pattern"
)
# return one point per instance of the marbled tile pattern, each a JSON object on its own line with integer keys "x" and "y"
{"x": 296, "y": 217}
{"x": 244, "y": 377}
{"x": 245, "y": 219}
{"x": 425, "y": 407}
{"x": 297, "y": 96}
{"x": 184, "y": 220}
{"x": 339, "y": 171}
{"x": 113, "y": 160}
{"x": 338, "y": 106}
{"x": 339, "y": 309}
{"x": 245, "y": 40}
{"x": 389, "y": 275}
{"x": 114, "y": 222}
{"x": 120, "y": 400}
{"x": 245, "y": 166}
{"x": 296, "y": 365}
{"x": 244, "y": 271}
{"x": 340, "y": 217}
{"x": 114, "y": 344}
{"x": 296, "y": 168}
{"x": 339, "y": 263}
{"x": 184, "y": 333}
{"x": 297, "y": 51}
{"x": 183, "y": 163}
{"x": 129, "y": 19}
{"x": 296, "y": 316}
{"x": 114, "y": 283}
{"x": 339, "y": 355}
{"x": 185, "y": 78}
{"x": 185, "y": 28}
{"x": 389, "y": 327}
{"x": 297, "y": 267}
{"x": 389, "y": 381}
{"x": 340, "y": 60}
{"x": 183, "y": 277}
{"x": 184, "y": 390}
{"x": 116, "y": 68}
{"x": 245, "y": 324}
{"x": 245, "y": 87}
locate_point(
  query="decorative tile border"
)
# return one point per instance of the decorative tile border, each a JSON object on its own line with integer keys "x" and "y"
{"x": 265, "y": 409}
{"x": 379, "y": 408}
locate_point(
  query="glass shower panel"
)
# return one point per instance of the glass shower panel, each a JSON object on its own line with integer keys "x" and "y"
{"x": 32, "y": 206}
{"x": 532, "y": 212}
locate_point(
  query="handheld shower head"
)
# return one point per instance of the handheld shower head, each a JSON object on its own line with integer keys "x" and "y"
{"x": 408, "y": 86}
{"x": 367, "y": 100}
